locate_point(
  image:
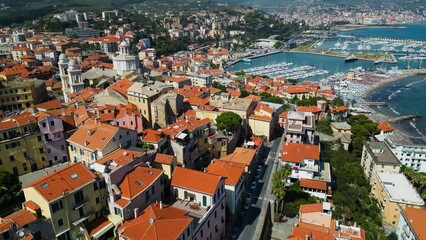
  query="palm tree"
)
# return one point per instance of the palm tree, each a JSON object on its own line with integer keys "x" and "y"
{"x": 278, "y": 185}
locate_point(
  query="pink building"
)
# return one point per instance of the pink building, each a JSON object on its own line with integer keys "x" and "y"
{"x": 128, "y": 117}
{"x": 53, "y": 138}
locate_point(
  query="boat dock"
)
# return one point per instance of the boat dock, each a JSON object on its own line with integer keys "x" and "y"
{"x": 403, "y": 118}
{"x": 374, "y": 103}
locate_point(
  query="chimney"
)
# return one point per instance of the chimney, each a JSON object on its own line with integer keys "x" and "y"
{"x": 161, "y": 204}
{"x": 135, "y": 211}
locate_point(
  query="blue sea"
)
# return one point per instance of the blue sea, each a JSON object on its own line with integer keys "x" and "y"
{"x": 413, "y": 32}
{"x": 404, "y": 97}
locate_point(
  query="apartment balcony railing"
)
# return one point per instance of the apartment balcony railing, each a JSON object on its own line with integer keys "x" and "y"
{"x": 80, "y": 203}
{"x": 83, "y": 218}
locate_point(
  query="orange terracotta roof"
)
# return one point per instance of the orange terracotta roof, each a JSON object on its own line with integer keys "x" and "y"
{"x": 296, "y": 152}
{"x": 310, "y": 208}
{"x": 53, "y": 104}
{"x": 314, "y": 184}
{"x": 31, "y": 205}
{"x": 339, "y": 109}
{"x": 303, "y": 231}
{"x": 176, "y": 79}
{"x": 121, "y": 86}
{"x": 385, "y": 127}
{"x": 283, "y": 115}
{"x": 150, "y": 135}
{"x": 163, "y": 158}
{"x": 295, "y": 90}
{"x": 241, "y": 155}
{"x": 416, "y": 218}
{"x": 254, "y": 98}
{"x": 157, "y": 223}
{"x": 97, "y": 225}
{"x": 311, "y": 109}
{"x": 65, "y": 180}
{"x": 264, "y": 107}
{"x": 231, "y": 171}
{"x": 122, "y": 202}
{"x": 260, "y": 118}
{"x": 198, "y": 181}
{"x": 187, "y": 124}
{"x": 137, "y": 181}
{"x": 93, "y": 135}
{"x": 22, "y": 217}
{"x": 121, "y": 156}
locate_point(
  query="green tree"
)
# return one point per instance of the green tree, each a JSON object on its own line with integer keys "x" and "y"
{"x": 323, "y": 126}
{"x": 228, "y": 121}
{"x": 244, "y": 93}
{"x": 291, "y": 81}
{"x": 219, "y": 86}
{"x": 337, "y": 102}
{"x": 278, "y": 185}
{"x": 392, "y": 236}
{"x": 9, "y": 186}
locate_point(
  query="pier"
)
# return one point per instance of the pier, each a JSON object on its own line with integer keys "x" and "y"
{"x": 374, "y": 103}
{"x": 403, "y": 118}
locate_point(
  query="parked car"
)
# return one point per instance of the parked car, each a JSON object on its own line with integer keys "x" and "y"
{"x": 253, "y": 185}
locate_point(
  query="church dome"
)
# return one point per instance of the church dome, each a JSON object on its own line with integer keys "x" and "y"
{"x": 63, "y": 57}
{"x": 124, "y": 44}
{"x": 73, "y": 64}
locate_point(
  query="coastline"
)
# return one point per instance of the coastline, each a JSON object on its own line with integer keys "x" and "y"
{"x": 359, "y": 27}
{"x": 377, "y": 116}
{"x": 378, "y": 85}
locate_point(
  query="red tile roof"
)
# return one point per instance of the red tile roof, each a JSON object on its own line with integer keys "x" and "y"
{"x": 121, "y": 156}
{"x": 416, "y": 218}
{"x": 312, "y": 109}
{"x": 296, "y": 152}
{"x": 310, "y": 208}
{"x": 163, "y": 158}
{"x": 137, "y": 181}
{"x": 195, "y": 180}
{"x": 157, "y": 223}
{"x": 153, "y": 136}
{"x": 313, "y": 184}
{"x": 231, "y": 171}
{"x": 65, "y": 180}
{"x": 93, "y": 135}
{"x": 385, "y": 127}
{"x": 54, "y": 104}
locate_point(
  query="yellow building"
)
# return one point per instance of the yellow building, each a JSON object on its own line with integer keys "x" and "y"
{"x": 21, "y": 146}
{"x": 393, "y": 191}
{"x": 15, "y": 95}
{"x": 70, "y": 198}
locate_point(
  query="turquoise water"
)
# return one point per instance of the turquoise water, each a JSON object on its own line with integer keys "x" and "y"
{"x": 404, "y": 97}
{"x": 415, "y": 32}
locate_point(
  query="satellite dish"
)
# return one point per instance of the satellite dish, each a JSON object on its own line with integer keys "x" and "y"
{"x": 21, "y": 233}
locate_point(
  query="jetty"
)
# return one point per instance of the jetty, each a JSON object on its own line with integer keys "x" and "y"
{"x": 374, "y": 103}
{"x": 403, "y": 118}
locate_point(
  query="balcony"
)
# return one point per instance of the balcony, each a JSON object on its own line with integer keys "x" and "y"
{"x": 80, "y": 203}
{"x": 83, "y": 218}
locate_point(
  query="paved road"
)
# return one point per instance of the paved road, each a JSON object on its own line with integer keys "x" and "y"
{"x": 260, "y": 194}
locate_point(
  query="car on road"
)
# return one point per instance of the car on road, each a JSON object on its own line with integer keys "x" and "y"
{"x": 253, "y": 185}
{"x": 259, "y": 169}
{"x": 248, "y": 197}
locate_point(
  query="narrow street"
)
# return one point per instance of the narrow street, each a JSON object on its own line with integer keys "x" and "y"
{"x": 260, "y": 194}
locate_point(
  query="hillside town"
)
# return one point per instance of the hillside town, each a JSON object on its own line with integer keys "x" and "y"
{"x": 118, "y": 134}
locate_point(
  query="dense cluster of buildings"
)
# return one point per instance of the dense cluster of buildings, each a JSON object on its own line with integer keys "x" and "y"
{"x": 135, "y": 147}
